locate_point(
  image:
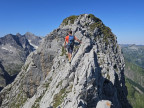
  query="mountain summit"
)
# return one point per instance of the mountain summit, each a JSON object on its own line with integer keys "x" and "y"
{"x": 94, "y": 79}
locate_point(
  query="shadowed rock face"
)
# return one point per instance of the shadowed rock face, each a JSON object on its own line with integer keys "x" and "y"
{"x": 95, "y": 73}
{"x": 14, "y": 50}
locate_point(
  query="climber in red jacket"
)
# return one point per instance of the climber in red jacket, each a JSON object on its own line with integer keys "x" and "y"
{"x": 69, "y": 44}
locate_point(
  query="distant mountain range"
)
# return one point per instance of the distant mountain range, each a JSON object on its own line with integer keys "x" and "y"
{"x": 134, "y": 60}
{"x": 134, "y": 72}
{"x": 14, "y": 50}
{"x": 134, "y": 54}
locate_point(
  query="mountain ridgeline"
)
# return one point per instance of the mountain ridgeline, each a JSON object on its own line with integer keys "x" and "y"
{"x": 134, "y": 54}
{"x": 94, "y": 78}
{"x": 14, "y": 50}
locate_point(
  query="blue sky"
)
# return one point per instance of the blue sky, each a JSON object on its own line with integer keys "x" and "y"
{"x": 124, "y": 17}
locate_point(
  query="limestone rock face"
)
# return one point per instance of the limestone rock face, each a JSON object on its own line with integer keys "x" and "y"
{"x": 96, "y": 72}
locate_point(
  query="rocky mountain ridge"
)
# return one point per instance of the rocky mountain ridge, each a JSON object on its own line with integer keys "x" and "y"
{"x": 95, "y": 74}
{"x": 14, "y": 50}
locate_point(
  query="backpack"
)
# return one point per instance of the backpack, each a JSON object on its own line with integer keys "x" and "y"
{"x": 71, "y": 40}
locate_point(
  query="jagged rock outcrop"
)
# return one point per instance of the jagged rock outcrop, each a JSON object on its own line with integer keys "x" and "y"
{"x": 14, "y": 50}
{"x": 96, "y": 73}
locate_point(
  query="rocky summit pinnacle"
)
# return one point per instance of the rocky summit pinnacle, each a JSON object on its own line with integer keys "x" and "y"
{"x": 94, "y": 79}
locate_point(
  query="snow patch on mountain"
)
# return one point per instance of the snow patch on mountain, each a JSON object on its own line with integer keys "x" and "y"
{"x": 32, "y": 44}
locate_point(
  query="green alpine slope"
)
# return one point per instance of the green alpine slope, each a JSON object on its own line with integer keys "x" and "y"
{"x": 135, "y": 94}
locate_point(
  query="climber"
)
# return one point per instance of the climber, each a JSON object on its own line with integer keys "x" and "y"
{"x": 69, "y": 44}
